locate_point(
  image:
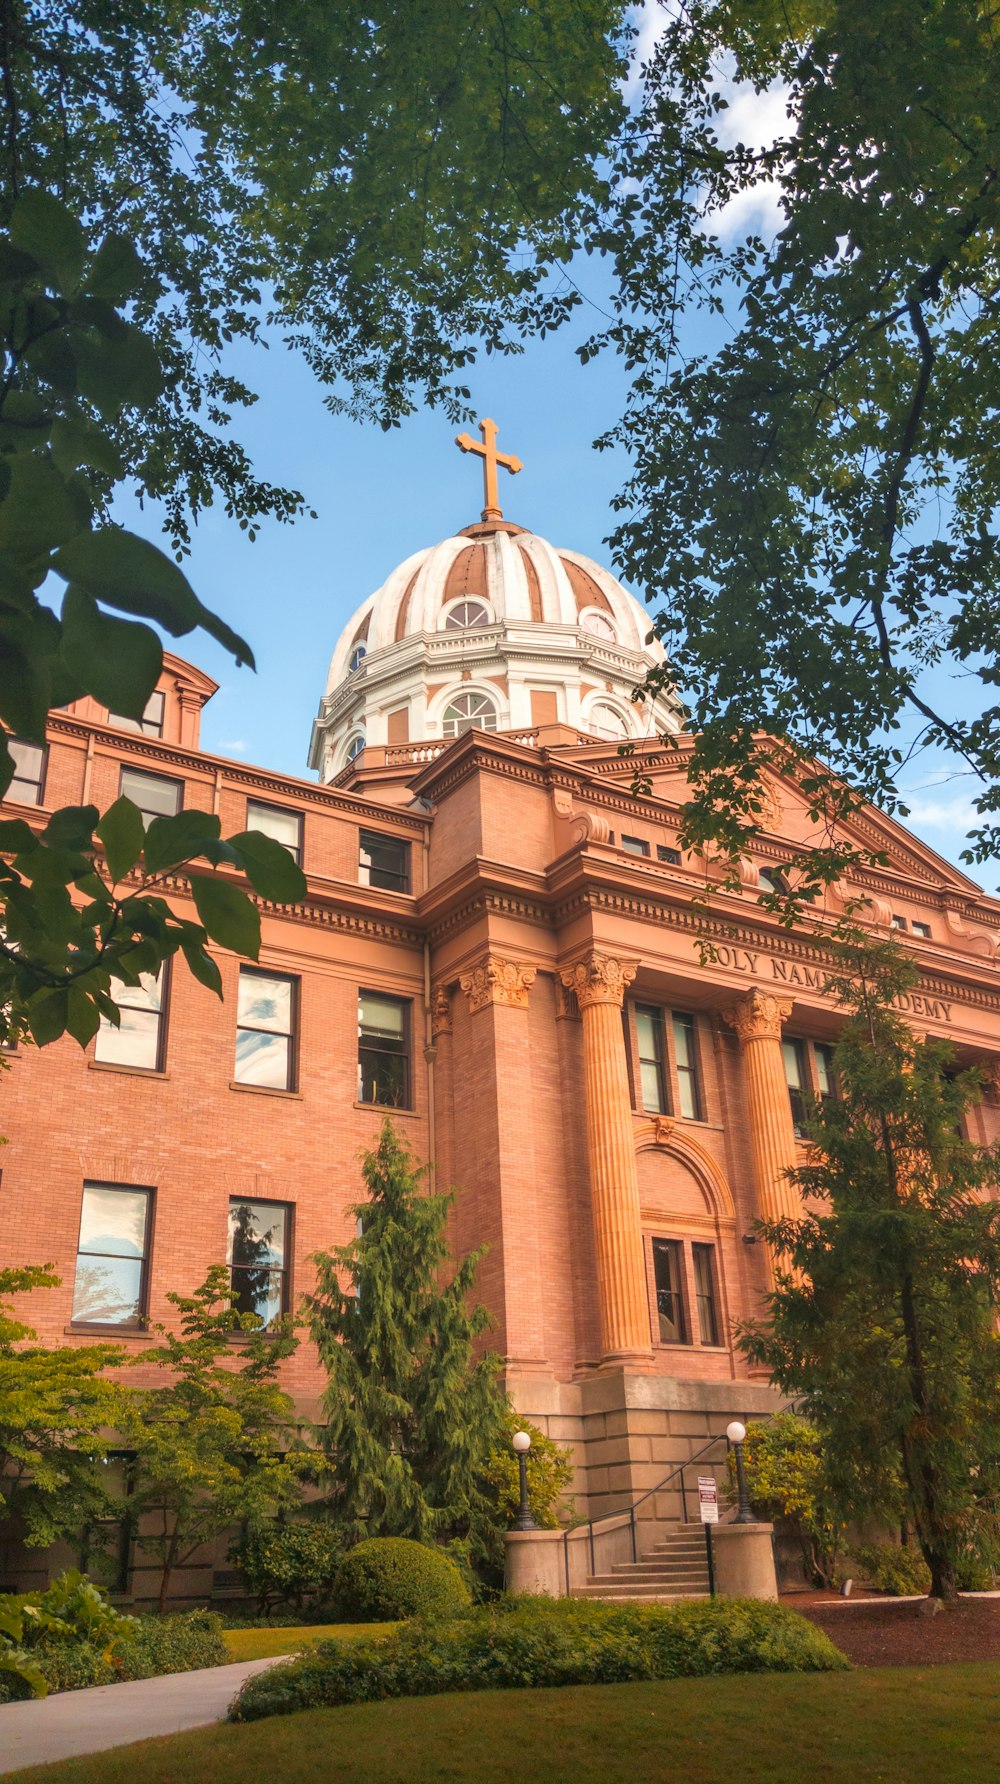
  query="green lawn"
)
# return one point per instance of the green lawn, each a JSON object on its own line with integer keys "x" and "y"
{"x": 895, "y": 1726}
{"x": 258, "y": 1644}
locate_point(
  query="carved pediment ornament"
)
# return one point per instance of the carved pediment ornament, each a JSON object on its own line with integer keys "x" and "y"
{"x": 663, "y": 1127}
{"x": 497, "y": 981}
{"x": 601, "y": 978}
{"x": 758, "y": 1016}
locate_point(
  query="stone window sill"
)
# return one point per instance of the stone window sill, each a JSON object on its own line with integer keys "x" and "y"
{"x": 133, "y": 1071}
{"x": 386, "y": 1109}
{"x": 294, "y": 1096}
{"x": 83, "y": 1329}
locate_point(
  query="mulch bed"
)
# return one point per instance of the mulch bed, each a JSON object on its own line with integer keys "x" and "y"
{"x": 897, "y": 1635}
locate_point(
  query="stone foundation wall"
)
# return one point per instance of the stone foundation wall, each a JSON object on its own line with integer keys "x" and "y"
{"x": 628, "y": 1432}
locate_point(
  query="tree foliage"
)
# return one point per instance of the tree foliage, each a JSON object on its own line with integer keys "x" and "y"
{"x": 56, "y": 1407}
{"x": 786, "y": 1478}
{"x": 387, "y": 188}
{"x": 812, "y": 510}
{"x": 79, "y": 899}
{"x": 412, "y": 1414}
{"x": 882, "y": 1322}
{"x": 216, "y": 1444}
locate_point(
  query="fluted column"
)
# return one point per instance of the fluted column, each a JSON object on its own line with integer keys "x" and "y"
{"x": 599, "y": 983}
{"x": 757, "y": 1019}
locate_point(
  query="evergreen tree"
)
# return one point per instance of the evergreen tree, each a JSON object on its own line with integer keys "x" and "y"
{"x": 883, "y": 1318}
{"x": 412, "y": 1413}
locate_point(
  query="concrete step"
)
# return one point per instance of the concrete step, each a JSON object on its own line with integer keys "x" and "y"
{"x": 670, "y": 1576}
{"x": 608, "y": 1597}
{"x": 618, "y": 1588}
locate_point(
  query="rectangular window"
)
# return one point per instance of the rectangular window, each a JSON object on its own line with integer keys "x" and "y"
{"x": 825, "y": 1077}
{"x": 151, "y": 723}
{"x": 265, "y": 1029}
{"x": 29, "y": 771}
{"x": 384, "y": 862}
{"x": 383, "y": 1050}
{"x": 922, "y": 929}
{"x": 258, "y": 1257}
{"x": 898, "y": 923}
{"x": 156, "y": 795}
{"x": 793, "y": 1054}
{"x": 669, "y": 1298}
{"x": 138, "y": 1041}
{"x": 275, "y": 821}
{"x": 703, "y": 1258}
{"x": 665, "y": 853}
{"x": 686, "y": 1056}
{"x": 112, "y": 1256}
{"x": 652, "y": 1073}
{"x": 634, "y": 845}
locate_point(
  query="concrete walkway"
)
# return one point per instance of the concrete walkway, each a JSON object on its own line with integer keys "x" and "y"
{"x": 72, "y": 1722}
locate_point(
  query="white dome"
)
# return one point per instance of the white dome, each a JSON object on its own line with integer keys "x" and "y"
{"x": 494, "y": 627}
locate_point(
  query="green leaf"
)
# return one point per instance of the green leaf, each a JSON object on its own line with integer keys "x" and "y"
{"x": 227, "y": 914}
{"x": 269, "y": 867}
{"x": 45, "y": 229}
{"x": 38, "y": 512}
{"x": 17, "y": 837}
{"x": 82, "y": 1016}
{"x": 125, "y": 571}
{"x": 121, "y": 831}
{"x": 116, "y": 660}
{"x": 116, "y": 272}
{"x": 201, "y": 965}
{"x": 72, "y": 827}
{"x": 76, "y": 442}
{"x": 52, "y": 359}
{"x": 169, "y": 841}
{"x": 124, "y": 373}
{"x": 46, "y": 1013}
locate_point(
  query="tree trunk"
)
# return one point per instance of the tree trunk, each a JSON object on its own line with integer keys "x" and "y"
{"x": 169, "y": 1563}
{"x": 944, "y": 1577}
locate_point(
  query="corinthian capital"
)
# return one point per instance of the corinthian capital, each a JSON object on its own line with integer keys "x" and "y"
{"x": 599, "y": 979}
{"x": 496, "y": 981}
{"x": 758, "y": 1016}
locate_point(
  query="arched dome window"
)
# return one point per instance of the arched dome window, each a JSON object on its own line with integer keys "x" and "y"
{"x": 355, "y": 745}
{"x": 594, "y": 621}
{"x": 607, "y": 721}
{"x": 465, "y": 615}
{"x": 358, "y": 655}
{"x": 467, "y": 711}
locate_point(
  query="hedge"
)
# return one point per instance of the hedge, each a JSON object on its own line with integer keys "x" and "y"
{"x": 541, "y": 1642}
{"x": 150, "y": 1646}
{"x": 387, "y": 1578}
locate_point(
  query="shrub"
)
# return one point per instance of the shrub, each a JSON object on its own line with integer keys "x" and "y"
{"x": 786, "y": 1478}
{"x": 545, "y": 1642}
{"x": 145, "y": 1648}
{"x": 389, "y": 1577}
{"x": 889, "y": 1568}
{"x": 289, "y": 1563}
{"x": 550, "y": 1476}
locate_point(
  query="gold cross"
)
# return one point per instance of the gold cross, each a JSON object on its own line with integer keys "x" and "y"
{"x": 491, "y": 458}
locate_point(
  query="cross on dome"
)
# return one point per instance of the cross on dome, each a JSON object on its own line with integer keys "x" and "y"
{"x": 491, "y": 459}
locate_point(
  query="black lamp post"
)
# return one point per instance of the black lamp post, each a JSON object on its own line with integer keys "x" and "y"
{"x": 522, "y": 1444}
{"x": 745, "y": 1514}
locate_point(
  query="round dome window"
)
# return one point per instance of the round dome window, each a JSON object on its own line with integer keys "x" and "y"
{"x": 593, "y": 620}
{"x": 607, "y": 721}
{"x": 465, "y": 615}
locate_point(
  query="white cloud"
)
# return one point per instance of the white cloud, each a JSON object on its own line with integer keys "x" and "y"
{"x": 236, "y": 746}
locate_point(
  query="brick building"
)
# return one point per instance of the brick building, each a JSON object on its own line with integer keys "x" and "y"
{"x": 498, "y": 945}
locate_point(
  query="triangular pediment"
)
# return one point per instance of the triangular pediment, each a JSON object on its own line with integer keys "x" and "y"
{"x": 663, "y": 773}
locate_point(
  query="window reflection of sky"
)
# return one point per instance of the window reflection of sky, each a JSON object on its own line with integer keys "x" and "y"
{"x": 265, "y": 1003}
{"x": 261, "y": 1058}
{"x": 113, "y": 1221}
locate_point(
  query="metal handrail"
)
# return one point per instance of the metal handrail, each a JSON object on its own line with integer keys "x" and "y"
{"x": 633, "y": 1508}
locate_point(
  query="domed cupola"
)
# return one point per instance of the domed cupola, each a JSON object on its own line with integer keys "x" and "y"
{"x": 494, "y": 628}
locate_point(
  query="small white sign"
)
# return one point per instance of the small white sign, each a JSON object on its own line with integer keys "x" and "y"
{"x": 708, "y": 1499}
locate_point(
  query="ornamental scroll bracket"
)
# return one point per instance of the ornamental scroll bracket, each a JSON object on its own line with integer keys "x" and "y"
{"x": 440, "y": 1011}
{"x": 758, "y": 1016}
{"x": 498, "y": 981}
{"x": 600, "y": 979}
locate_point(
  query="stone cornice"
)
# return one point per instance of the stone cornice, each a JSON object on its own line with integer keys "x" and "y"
{"x": 317, "y": 912}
